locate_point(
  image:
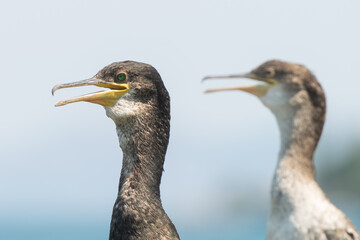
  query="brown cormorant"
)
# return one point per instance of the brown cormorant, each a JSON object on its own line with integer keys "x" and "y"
{"x": 299, "y": 210}
{"x": 139, "y": 104}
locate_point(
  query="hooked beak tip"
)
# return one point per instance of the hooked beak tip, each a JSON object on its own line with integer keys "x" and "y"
{"x": 203, "y": 79}
{"x": 53, "y": 90}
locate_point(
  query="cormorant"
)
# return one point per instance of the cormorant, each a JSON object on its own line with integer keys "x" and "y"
{"x": 300, "y": 209}
{"x": 139, "y": 104}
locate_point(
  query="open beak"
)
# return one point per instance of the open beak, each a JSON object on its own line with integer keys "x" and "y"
{"x": 104, "y": 98}
{"x": 257, "y": 90}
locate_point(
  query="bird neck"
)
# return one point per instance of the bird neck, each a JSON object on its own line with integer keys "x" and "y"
{"x": 144, "y": 141}
{"x": 299, "y": 135}
{"x": 300, "y": 130}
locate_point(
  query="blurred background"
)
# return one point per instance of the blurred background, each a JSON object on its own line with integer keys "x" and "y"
{"x": 60, "y": 167}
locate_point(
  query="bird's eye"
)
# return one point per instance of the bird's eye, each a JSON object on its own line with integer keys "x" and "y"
{"x": 121, "y": 77}
{"x": 269, "y": 73}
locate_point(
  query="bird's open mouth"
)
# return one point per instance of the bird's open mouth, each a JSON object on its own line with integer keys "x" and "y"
{"x": 104, "y": 98}
{"x": 257, "y": 90}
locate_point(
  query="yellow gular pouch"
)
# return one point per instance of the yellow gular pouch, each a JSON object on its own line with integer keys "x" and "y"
{"x": 105, "y": 98}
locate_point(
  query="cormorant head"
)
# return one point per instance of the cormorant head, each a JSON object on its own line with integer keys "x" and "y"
{"x": 284, "y": 85}
{"x": 133, "y": 89}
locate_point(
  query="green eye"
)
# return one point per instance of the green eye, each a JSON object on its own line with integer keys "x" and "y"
{"x": 120, "y": 77}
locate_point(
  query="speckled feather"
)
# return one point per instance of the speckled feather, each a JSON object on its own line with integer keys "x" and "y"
{"x": 299, "y": 210}
{"x": 142, "y": 118}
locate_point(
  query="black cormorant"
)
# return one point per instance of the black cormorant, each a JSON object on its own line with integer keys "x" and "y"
{"x": 139, "y": 104}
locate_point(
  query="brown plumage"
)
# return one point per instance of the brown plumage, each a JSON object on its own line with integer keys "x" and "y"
{"x": 299, "y": 210}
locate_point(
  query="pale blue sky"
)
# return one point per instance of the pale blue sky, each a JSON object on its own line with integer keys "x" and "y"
{"x": 58, "y": 163}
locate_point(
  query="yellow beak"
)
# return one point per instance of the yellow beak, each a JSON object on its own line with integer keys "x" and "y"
{"x": 104, "y": 98}
{"x": 257, "y": 90}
